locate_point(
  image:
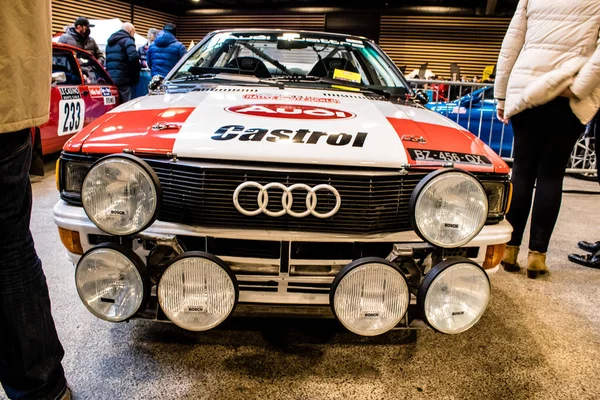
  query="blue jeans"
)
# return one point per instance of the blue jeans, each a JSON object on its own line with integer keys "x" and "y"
{"x": 30, "y": 351}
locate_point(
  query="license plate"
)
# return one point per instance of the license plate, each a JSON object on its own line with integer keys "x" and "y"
{"x": 109, "y": 100}
{"x": 447, "y": 156}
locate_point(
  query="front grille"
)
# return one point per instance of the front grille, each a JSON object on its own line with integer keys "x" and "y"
{"x": 198, "y": 195}
{"x": 373, "y": 201}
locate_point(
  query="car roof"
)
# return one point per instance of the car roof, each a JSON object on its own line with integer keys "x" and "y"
{"x": 65, "y": 46}
{"x": 265, "y": 31}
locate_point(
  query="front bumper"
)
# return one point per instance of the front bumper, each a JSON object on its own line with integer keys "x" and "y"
{"x": 284, "y": 279}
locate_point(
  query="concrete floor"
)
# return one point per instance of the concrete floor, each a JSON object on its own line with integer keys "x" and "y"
{"x": 538, "y": 340}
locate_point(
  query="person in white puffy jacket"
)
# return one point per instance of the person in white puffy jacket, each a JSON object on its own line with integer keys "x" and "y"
{"x": 548, "y": 85}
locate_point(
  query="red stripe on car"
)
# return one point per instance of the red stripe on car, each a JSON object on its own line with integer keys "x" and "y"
{"x": 140, "y": 131}
{"x": 448, "y": 139}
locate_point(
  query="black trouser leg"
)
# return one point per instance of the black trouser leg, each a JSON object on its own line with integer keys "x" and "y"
{"x": 524, "y": 173}
{"x": 550, "y": 175}
{"x": 544, "y": 139}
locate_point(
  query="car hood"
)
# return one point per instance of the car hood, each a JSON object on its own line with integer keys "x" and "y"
{"x": 299, "y": 126}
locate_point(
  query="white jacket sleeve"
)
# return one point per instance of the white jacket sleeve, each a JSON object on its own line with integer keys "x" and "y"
{"x": 511, "y": 48}
{"x": 588, "y": 78}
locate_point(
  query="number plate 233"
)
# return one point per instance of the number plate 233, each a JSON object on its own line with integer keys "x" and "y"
{"x": 71, "y": 114}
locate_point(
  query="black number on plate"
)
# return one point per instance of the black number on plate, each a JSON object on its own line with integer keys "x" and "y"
{"x": 72, "y": 117}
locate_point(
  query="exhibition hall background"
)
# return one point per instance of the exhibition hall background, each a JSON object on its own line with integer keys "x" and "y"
{"x": 473, "y": 42}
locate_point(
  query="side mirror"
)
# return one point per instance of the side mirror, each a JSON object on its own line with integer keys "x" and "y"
{"x": 155, "y": 84}
{"x": 59, "y": 77}
{"x": 421, "y": 97}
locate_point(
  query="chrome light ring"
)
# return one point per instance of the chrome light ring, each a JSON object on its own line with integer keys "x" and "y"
{"x": 145, "y": 169}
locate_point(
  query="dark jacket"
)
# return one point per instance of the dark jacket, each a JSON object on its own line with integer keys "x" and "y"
{"x": 88, "y": 44}
{"x": 164, "y": 53}
{"x": 122, "y": 61}
{"x": 142, "y": 54}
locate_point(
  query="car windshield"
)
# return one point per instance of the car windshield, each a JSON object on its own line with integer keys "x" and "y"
{"x": 297, "y": 58}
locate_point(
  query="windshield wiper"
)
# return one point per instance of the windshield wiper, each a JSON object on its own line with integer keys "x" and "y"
{"x": 227, "y": 77}
{"x": 188, "y": 78}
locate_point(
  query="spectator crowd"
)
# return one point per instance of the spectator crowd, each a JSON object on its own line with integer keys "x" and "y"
{"x": 123, "y": 61}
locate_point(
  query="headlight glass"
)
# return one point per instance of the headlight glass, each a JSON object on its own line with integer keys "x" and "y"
{"x": 110, "y": 283}
{"x": 197, "y": 292}
{"x": 495, "y": 195}
{"x": 370, "y": 297}
{"x": 121, "y": 195}
{"x": 454, "y": 296}
{"x": 449, "y": 208}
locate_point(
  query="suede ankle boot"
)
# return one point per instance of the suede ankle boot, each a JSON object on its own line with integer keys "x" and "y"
{"x": 509, "y": 261}
{"x": 536, "y": 264}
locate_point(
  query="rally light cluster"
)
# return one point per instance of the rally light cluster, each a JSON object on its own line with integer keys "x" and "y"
{"x": 198, "y": 291}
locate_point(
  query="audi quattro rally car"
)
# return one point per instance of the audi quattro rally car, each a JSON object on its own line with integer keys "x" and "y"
{"x": 282, "y": 172}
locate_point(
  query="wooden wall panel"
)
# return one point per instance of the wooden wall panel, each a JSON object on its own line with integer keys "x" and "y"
{"x": 195, "y": 27}
{"x": 146, "y": 18}
{"x": 472, "y": 43}
{"x": 64, "y": 12}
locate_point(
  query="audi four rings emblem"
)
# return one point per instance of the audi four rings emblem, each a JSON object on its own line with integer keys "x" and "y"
{"x": 287, "y": 200}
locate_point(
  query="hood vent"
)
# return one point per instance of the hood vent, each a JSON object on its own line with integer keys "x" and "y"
{"x": 345, "y": 95}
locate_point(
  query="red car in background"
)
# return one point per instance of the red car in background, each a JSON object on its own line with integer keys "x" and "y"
{"x": 81, "y": 92}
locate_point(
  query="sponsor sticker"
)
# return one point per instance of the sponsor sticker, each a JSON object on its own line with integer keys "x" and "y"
{"x": 347, "y": 76}
{"x": 105, "y": 91}
{"x": 289, "y": 111}
{"x": 301, "y": 136}
{"x": 290, "y": 97}
{"x": 459, "y": 110}
{"x": 95, "y": 92}
{"x": 69, "y": 93}
{"x": 109, "y": 100}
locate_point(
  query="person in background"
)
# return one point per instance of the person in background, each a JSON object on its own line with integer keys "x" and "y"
{"x": 165, "y": 52}
{"x": 30, "y": 350}
{"x": 78, "y": 35}
{"x": 548, "y": 85}
{"x": 592, "y": 259}
{"x": 143, "y": 50}
{"x": 122, "y": 62}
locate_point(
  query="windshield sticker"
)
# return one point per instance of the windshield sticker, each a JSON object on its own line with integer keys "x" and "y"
{"x": 69, "y": 93}
{"x": 347, "y": 76}
{"x": 346, "y": 42}
{"x": 290, "y": 111}
{"x": 303, "y": 136}
{"x": 290, "y": 97}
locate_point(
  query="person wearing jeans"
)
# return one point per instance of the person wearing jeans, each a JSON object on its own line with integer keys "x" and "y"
{"x": 548, "y": 83}
{"x": 30, "y": 351}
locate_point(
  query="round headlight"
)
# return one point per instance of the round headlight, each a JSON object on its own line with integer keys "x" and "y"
{"x": 369, "y": 296}
{"x": 112, "y": 282}
{"x": 454, "y": 295}
{"x": 448, "y": 208}
{"x": 198, "y": 291}
{"x": 121, "y": 194}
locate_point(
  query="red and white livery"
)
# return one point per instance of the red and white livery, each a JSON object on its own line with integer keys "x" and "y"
{"x": 289, "y": 173}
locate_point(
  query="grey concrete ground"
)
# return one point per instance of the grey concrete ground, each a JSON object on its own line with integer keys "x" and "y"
{"x": 538, "y": 340}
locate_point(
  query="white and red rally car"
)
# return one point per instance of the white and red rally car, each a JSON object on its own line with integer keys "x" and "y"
{"x": 283, "y": 172}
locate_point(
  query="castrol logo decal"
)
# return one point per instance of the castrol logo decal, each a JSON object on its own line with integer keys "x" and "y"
{"x": 290, "y": 111}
